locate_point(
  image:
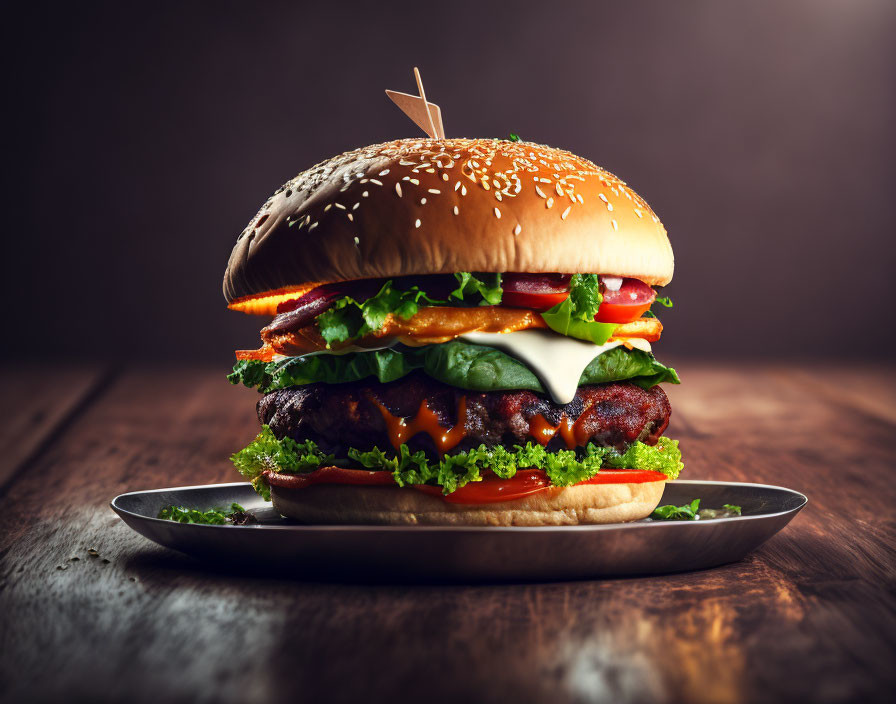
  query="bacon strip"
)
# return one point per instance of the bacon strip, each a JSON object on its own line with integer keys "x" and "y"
{"x": 432, "y": 326}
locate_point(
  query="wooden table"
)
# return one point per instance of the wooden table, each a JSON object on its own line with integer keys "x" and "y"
{"x": 93, "y": 612}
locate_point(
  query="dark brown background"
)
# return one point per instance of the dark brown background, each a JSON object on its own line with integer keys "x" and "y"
{"x": 145, "y": 137}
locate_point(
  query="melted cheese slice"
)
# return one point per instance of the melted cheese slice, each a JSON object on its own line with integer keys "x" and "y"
{"x": 558, "y": 361}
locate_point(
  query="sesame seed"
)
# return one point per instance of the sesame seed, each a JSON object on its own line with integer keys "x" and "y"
{"x": 614, "y": 224}
{"x": 497, "y": 213}
{"x": 351, "y": 217}
{"x": 383, "y": 172}
{"x": 433, "y": 190}
{"x": 559, "y": 190}
{"x": 485, "y": 185}
{"x": 364, "y": 180}
{"x": 327, "y": 207}
{"x": 540, "y": 192}
{"x": 549, "y": 203}
{"x": 444, "y": 176}
{"x": 430, "y": 171}
{"x": 456, "y": 210}
{"x": 638, "y": 213}
{"x": 518, "y": 229}
{"x": 398, "y": 189}
{"x": 457, "y": 186}
{"x": 498, "y": 195}
{"x": 340, "y": 206}
{"x": 566, "y": 212}
{"x": 355, "y": 206}
{"x": 602, "y": 197}
{"x": 374, "y": 181}
{"x": 610, "y": 207}
{"x": 417, "y": 223}
{"x": 313, "y": 225}
{"x": 423, "y": 201}
{"x": 463, "y": 190}
{"x": 415, "y": 181}
{"x": 357, "y": 241}
{"x": 580, "y": 199}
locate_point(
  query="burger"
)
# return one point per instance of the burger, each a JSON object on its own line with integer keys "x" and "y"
{"x": 461, "y": 334}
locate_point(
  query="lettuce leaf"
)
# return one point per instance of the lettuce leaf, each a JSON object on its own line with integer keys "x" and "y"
{"x": 451, "y": 472}
{"x": 585, "y": 296}
{"x": 473, "y": 286}
{"x": 574, "y": 317}
{"x": 663, "y": 457}
{"x": 461, "y": 364}
{"x": 269, "y": 453}
{"x": 212, "y": 517}
{"x": 349, "y": 318}
{"x": 688, "y": 512}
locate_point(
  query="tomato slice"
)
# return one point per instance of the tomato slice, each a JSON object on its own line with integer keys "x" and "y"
{"x": 626, "y": 305}
{"x": 534, "y": 291}
{"x": 491, "y": 489}
{"x": 533, "y": 301}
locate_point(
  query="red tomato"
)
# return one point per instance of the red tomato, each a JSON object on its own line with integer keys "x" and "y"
{"x": 530, "y": 481}
{"x": 491, "y": 489}
{"x": 534, "y": 291}
{"x": 627, "y": 304}
{"x": 532, "y": 301}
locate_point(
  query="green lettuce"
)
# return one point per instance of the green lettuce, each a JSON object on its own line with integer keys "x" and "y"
{"x": 349, "y": 319}
{"x": 574, "y": 317}
{"x": 663, "y": 457}
{"x": 473, "y": 286}
{"x": 451, "y": 472}
{"x": 688, "y": 512}
{"x": 269, "y": 453}
{"x": 458, "y": 363}
{"x": 212, "y": 517}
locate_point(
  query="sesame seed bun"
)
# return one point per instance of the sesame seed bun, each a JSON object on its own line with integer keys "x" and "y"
{"x": 420, "y": 206}
{"x": 384, "y": 505}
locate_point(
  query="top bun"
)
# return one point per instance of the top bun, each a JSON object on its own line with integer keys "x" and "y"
{"x": 425, "y": 206}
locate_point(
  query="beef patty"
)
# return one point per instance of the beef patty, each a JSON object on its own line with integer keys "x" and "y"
{"x": 337, "y": 417}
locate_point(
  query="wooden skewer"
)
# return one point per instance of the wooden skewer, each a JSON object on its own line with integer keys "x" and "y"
{"x": 414, "y": 106}
{"x": 432, "y": 124}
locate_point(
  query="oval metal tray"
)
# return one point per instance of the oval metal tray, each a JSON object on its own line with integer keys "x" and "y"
{"x": 467, "y": 553}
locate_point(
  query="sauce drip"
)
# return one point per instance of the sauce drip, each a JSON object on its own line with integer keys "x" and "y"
{"x": 573, "y": 433}
{"x": 426, "y": 421}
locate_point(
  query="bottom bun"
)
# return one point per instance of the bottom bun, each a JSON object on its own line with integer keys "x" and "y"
{"x": 385, "y": 505}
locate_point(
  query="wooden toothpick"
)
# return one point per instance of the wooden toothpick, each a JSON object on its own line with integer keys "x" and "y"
{"x": 423, "y": 98}
{"x": 427, "y": 116}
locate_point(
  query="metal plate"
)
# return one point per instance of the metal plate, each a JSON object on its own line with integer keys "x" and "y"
{"x": 475, "y": 553}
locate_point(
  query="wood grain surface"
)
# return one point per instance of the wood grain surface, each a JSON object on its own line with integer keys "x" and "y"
{"x": 90, "y": 611}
